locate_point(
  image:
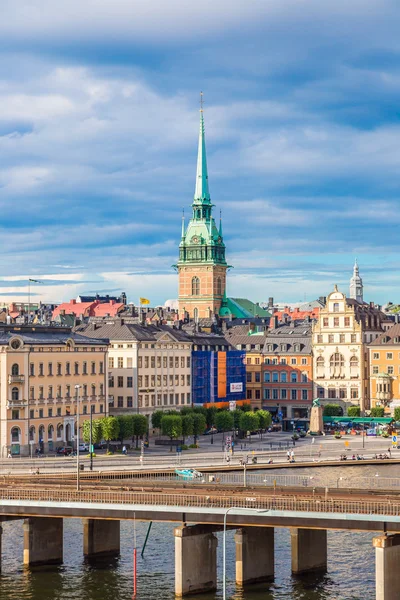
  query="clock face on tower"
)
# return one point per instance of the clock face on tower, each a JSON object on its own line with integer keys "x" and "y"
{"x": 195, "y": 239}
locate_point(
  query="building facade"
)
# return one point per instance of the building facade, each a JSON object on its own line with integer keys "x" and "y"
{"x": 201, "y": 265}
{"x": 340, "y": 357}
{"x": 384, "y": 364}
{"x": 40, "y": 368}
{"x": 288, "y": 371}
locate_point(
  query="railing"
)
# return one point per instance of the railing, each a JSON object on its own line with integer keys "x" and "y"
{"x": 16, "y": 378}
{"x": 181, "y": 501}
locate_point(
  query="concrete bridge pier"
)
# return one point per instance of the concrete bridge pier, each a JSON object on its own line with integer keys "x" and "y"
{"x": 1, "y": 532}
{"x": 309, "y": 550}
{"x": 101, "y": 537}
{"x": 254, "y": 554}
{"x": 387, "y": 562}
{"x": 43, "y": 541}
{"x": 195, "y": 560}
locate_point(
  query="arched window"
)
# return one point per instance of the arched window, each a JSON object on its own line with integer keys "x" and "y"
{"x": 284, "y": 377}
{"x": 196, "y": 314}
{"x": 50, "y": 432}
{"x": 15, "y": 393}
{"x": 41, "y": 433}
{"x": 15, "y": 369}
{"x": 195, "y": 286}
{"x": 293, "y": 377}
{"x": 354, "y": 366}
{"x": 336, "y": 364}
{"x": 32, "y": 434}
{"x": 93, "y": 389}
{"x": 336, "y": 307}
{"x": 219, "y": 286}
{"x": 320, "y": 367}
{"x": 60, "y": 429}
{"x": 15, "y": 435}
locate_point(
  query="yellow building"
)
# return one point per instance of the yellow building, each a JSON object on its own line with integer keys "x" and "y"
{"x": 384, "y": 368}
{"x": 40, "y": 368}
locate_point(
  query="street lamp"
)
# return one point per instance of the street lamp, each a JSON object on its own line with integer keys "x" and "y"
{"x": 237, "y": 508}
{"x": 337, "y": 481}
{"x": 77, "y": 435}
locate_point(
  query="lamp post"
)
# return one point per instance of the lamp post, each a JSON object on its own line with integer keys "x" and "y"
{"x": 77, "y": 435}
{"x": 337, "y": 481}
{"x": 237, "y": 508}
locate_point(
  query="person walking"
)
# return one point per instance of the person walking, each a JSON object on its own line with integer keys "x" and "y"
{"x": 288, "y": 455}
{"x": 292, "y": 456}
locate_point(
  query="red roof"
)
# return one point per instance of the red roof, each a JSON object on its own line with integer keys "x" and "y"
{"x": 297, "y": 314}
{"x": 111, "y": 309}
{"x": 76, "y": 308}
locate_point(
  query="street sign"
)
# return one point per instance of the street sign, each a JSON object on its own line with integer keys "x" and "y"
{"x": 228, "y": 439}
{"x": 232, "y": 405}
{"x": 394, "y": 440}
{"x": 280, "y": 414}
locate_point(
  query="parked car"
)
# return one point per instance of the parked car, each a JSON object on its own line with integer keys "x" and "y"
{"x": 211, "y": 430}
{"x": 64, "y": 450}
{"x": 83, "y": 447}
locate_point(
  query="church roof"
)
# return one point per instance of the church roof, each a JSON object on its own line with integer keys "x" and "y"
{"x": 242, "y": 308}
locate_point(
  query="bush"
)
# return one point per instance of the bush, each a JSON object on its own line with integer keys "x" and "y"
{"x": 333, "y": 410}
{"x": 377, "y": 411}
{"x": 353, "y": 411}
{"x": 184, "y": 446}
{"x": 193, "y": 446}
{"x": 397, "y": 413}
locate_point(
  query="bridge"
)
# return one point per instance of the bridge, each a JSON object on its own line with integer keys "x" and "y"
{"x": 201, "y": 512}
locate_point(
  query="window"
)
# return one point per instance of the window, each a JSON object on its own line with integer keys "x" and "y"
{"x": 331, "y": 338}
{"x": 41, "y": 392}
{"x": 248, "y": 361}
{"x": 111, "y": 381}
{"x": 319, "y": 339}
{"x": 188, "y": 362}
{"x": 375, "y": 370}
{"x": 15, "y": 370}
{"x": 275, "y": 377}
{"x": 195, "y": 286}
{"x": 304, "y": 377}
{"x": 293, "y": 377}
{"x": 284, "y": 377}
{"x": 187, "y": 380}
{"x": 390, "y": 370}
{"x": 321, "y": 393}
{"x": 283, "y": 394}
{"x": 129, "y": 382}
{"x": 93, "y": 369}
{"x": 15, "y": 435}
{"x": 110, "y": 362}
{"x": 257, "y": 361}
{"x": 389, "y": 355}
{"x": 59, "y": 411}
{"x": 336, "y": 307}
{"x": 336, "y": 365}
{"x": 267, "y": 394}
{"x": 67, "y": 368}
{"x": 283, "y": 361}
{"x": 146, "y": 362}
{"x": 50, "y": 393}
{"x": 15, "y": 394}
{"x": 84, "y": 392}
{"x": 331, "y": 393}
{"x": 50, "y": 369}
{"x": 353, "y": 393}
{"x": 129, "y": 401}
{"x": 32, "y": 370}
{"x": 41, "y": 373}
{"x": 257, "y": 376}
{"x": 347, "y": 321}
{"x": 50, "y": 412}
{"x": 68, "y": 391}
{"x": 293, "y": 361}
{"x": 354, "y": 366}
{"x": 85, "y": 409}
{"x": 40, "y": 413}
{"x": 293, "y": 394}
{"x": 58, "y": 391}
{"x": 376, "y": 356}
{"x": 120, "y": 402}
{"x": 31, "y": 393}
{"x": 120, "y": 381}
{"x": 267, "y": 377}
{"x": 50, "y": 432}
{"x": 120, "y": 362}
{"x": 341, "y": 338}
{"x": 258, "y": 394}
{"x": 219, "y": 286}
{"x": 304, "y": 394}
{"x": 76, "y": 368}
{"x": 59, "y": 430}
{"x": 248, "y": 377}
{"x": 249, "y": 394}
{"x": 336, "y": 322}
{"x": 275, "y": 394}
{"x": 326, "y": 322}
{"x": 31, "y": 414}
{"x": 342, "y": 392}
{"x": 303, "y": 361}
{"x": 59, "y": 372}
{"x": 84, "y": 368}
{"x": 353, "y": 338}
{"x": 101, "y": 365}
{"x": 15, "y": 415}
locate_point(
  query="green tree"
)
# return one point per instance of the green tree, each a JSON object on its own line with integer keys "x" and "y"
{"x": 156, "y": 419}
{"x": 397, "y": 413}
{"x": 249, "y": 421}
{"x": 353, "y": 411}
{"x": 211, "y": 413}
{"x": 171, "y": 426}
{"x": 333, "y": 410}
{"x": 96, "y": 431}
{"x": 199, "y": 425}
{"x": 139, "y": 427}
{"x": 237, "y": 413}
{"x": 245, "y": 407}
{"x": 125, "y": 423}
{"x": 377, "y": 411}
{"x": 224, "y": 421}
{"x": 109, "y": 429}
{"x": 264, "y": 418}
{"x": 187, "y": 426}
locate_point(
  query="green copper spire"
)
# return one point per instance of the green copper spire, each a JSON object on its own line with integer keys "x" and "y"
{"x": 183, "y": 224}
{"x": 220, "y": 224}
{"x": 202, "y": 194}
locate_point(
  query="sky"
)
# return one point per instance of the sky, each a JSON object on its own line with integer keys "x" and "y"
{"x": 99, "y": 118}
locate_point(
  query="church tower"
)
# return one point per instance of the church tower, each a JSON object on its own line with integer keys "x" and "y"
{"x": 356, "y": 285}
{"x": 202, "y": 265}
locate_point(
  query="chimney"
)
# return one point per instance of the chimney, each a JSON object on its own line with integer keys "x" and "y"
{"x": 371, "y": 305}
{"x": 112, "y": 302}
{"x": 270, "y": 302}
{"x": 273, "y": 322}
{"x": 72, "y": 301}
{"x": 122, "y": 321}
{"x": 62, "y": 312}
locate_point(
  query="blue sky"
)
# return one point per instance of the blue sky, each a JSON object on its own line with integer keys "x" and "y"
{"x": 98, "y": 139}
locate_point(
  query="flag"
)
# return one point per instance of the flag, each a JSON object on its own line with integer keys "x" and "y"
{"x": 34, "y": 280}
{"x": 144, "y": 301}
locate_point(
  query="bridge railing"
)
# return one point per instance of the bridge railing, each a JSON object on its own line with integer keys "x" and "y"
{"x": 183, "y": 501}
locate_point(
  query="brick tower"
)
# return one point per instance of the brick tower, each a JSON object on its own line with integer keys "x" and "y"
{"x": 202, "y": 265}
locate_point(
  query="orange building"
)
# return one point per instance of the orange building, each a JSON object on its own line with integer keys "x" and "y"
{"x": 384, "y": 369}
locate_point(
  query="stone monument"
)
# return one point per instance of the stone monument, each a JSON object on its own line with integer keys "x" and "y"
{"x": 316, "y": 421}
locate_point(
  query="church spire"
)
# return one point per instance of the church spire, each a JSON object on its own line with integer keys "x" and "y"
{"x": 356, "y": 284}
{"x": 183, "y": 224}
{"x": 220, "y": 224}
{"x": 202, "y": 194}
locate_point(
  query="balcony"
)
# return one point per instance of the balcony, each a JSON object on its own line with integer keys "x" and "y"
{"x": 16, "y": 379}
{"x": 16, "y": 403}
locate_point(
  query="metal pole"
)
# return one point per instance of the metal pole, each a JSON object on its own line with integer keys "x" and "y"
{"x": 91, "y": 439}
{"x": 147, "y": 537}
{"x": 77, "y": 437}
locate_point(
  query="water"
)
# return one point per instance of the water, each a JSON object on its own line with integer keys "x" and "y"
{"x": 350, "y": 576}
